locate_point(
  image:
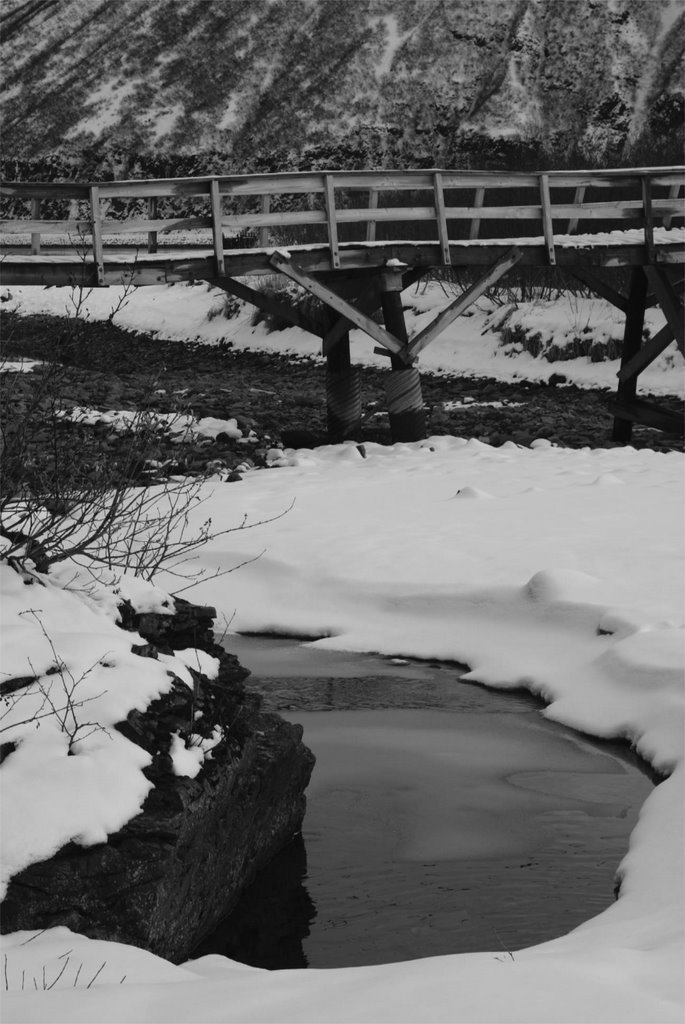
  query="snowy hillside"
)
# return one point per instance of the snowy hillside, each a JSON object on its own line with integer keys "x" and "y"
{"x": 372, "y": 82}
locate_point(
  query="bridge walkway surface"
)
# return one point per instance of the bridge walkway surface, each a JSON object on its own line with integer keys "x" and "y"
{"x": 355, "y": 240}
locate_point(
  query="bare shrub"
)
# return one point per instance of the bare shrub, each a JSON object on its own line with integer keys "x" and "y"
{"x": 29, "y": 700}
{"x": 104, "y": 495}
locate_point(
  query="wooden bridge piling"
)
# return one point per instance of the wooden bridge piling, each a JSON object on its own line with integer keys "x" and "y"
{"x": 403, "y": 393}
{"x": 343, "y": 393}
{"x": 632, "y": 341}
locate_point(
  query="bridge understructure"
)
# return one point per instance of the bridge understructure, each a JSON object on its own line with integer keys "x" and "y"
{"x": 355, "y": 240}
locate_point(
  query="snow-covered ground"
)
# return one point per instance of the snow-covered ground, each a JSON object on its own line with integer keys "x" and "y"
{"x": 559, "y": 570}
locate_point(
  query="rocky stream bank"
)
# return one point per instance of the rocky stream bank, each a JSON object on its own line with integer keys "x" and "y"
{"x": 166, "y": 879}
{"x": 278, "y": 400}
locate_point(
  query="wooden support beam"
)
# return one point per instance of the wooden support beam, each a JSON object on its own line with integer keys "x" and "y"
{"x": 410, "y": 277}
{"x": 96, "y": 230}
{"x": 632, "y": 342}
{"x": 343, "y": 391}
{"x": 647, "y": 354}
{"x": 393, "y": 316}
{"x": 602, "y": 288}
{"x": 339, "y": 357}
{"x": 284, "y": 265}
{"x": 547, "y": 224}
{"x": 403, "y": 384}
{"x": 217, "y": 232}
{"x": 368, "y": 302}
{"x": 443, "y": 233}
{"x": 670, "y": 303}
{"x": 267, "y": 304}
{"x": 467, "y": 298}
{"x": 329, "y": 196}
{"x": 649, "y": 414}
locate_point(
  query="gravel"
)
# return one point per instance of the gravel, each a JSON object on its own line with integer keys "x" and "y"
{"x": 282, "y": 399}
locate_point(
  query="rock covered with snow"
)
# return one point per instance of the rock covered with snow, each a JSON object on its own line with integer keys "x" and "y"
{"x": 148, "y": 828}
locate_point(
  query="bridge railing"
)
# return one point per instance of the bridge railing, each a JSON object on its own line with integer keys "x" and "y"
{"x": 333, "y": 207}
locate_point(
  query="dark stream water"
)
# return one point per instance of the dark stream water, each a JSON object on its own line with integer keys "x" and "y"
{"x": 441, "y": 817}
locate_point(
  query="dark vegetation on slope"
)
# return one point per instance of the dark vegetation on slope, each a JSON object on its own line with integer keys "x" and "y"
{"x": 202, "y": 86}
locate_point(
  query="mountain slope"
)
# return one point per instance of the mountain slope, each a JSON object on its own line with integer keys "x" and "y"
{"x": 399, "y": 77}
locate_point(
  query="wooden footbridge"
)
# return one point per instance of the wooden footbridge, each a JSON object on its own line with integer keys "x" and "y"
{"x": 356, "y": 239}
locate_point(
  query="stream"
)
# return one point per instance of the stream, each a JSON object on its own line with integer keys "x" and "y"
{"x": 442, "y": 817}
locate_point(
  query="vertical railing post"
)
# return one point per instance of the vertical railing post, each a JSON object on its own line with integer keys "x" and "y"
{"x": 329, "y": 197}
{"x": 673, "y": 193}
{"x": 217, "y": 233}
{"x": 478, "y": 200}
{"x": 96, "y": 233}
{"x": 152, "y": 215}
{"x": 264, "y": 231}
{"x": 371, "y": 224}
{"x": 578, "y": 198}
{"x": 547, "y": 224}
{"x": 648, "y": 216}
{"x": 443, "y": 235}
{"x": 35, "y": 235}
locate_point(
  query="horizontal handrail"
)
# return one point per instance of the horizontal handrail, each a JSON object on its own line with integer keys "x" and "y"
{"x": 647, "y": 196}
{"x": 294, "y": 182}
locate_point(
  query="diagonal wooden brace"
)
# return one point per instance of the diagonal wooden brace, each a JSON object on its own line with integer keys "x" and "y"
{"x": 649, "y": 414}
{"x": 647, "y": 354}
{"x": 285, "y": 265}
{"x": 368, "y": 302}
{"x": 601, "y": 287}
{"x": 466, "y": 299}
{"x": 269, "y": 305}
{"x": 670, "y": 303}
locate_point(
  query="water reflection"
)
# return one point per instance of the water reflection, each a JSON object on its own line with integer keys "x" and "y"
{"x": 268, "y": 926}
{"x": 442, "y": 817}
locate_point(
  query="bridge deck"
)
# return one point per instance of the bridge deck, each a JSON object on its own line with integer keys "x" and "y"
{"x": 59, "y": 267}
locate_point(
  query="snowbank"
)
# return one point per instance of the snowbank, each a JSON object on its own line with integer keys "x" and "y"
{"x": 72, "y": 776}
{"x": 560, "y": 570}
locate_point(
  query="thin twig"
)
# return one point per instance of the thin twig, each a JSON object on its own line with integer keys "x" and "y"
{"x": 96, "y": 974}
{"x": 32, "y": 937}
{"x": 64, "y": 967}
